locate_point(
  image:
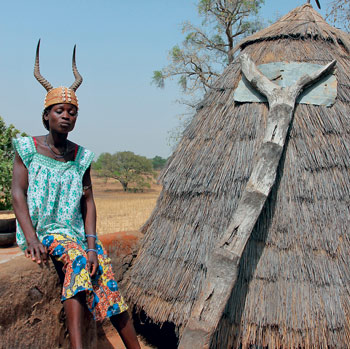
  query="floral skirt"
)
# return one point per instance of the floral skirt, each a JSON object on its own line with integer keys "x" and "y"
{"x": 102, "y": 295}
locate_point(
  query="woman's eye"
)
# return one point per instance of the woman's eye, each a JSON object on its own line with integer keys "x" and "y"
{"x": 59, "y": 111}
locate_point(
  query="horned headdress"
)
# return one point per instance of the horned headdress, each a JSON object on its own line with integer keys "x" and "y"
{"x": 58, "y": 94}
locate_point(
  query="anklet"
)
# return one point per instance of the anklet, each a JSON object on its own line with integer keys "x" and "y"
{"x": 91, "y": 236}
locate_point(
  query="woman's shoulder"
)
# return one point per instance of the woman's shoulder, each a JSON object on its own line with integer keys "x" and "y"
{"x": 23, "y": 144}
{"x": 22, "y": 139}
{"x": 84, "y": 157}
{"x": 25, "y": 147}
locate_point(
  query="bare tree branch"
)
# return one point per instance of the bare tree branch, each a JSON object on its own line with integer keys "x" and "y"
{"x": 208, "y": 54}
{"x": 339, "y": 13}
{"x": 208, "y": 49}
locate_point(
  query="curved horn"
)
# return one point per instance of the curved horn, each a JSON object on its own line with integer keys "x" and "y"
{"x": 78, "y": 77}
{"x": 37, "y": 74}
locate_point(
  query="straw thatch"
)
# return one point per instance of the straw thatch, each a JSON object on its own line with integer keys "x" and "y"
{"x": 293, "y": 288}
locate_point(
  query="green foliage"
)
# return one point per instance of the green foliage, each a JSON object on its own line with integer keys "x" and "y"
{"x": 158, "y": 78}
{"x": 158, "y": 162}
{"x": 183, "y": 82}
{"x": 176, "y": 53}
{"x": 6, "y": 161}
{"x": 126, "y": 167}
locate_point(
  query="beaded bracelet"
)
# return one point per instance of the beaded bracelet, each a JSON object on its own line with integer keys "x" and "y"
{"x": 91, "y": 236}
{"x": 91, "y": 250}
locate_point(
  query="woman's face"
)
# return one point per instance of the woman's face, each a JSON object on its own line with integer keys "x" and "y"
{"x": 62, "y": 117}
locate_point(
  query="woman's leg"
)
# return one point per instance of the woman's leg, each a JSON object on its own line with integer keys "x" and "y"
{"x": 74, "y": 309}
{"x": 123, "y": 323}
{"x": 70, "y": 261}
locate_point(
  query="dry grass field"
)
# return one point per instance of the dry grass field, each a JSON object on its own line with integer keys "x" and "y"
{"x": 121, "y": 211}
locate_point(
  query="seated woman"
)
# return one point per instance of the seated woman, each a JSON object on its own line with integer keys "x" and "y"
{"x": 56, "y": 214}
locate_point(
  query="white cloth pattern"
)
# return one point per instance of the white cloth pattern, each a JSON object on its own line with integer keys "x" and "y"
{"x": 54, "y": 192}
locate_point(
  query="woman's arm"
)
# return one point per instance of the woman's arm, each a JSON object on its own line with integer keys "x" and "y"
{"x": 35, "y": 248}
{"x": 89, "y": 216}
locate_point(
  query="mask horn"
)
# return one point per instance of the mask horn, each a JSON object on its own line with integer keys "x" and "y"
{"x": 37, "y": 74}
{"x": 78, "y": 77}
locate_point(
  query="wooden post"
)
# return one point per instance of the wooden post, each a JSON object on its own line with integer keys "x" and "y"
{"x": 222, "y": 269}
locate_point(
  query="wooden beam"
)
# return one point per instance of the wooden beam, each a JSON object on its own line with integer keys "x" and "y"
{"x": 222, "y": 268}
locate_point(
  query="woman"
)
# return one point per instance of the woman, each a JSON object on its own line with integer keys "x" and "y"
{"x": 56, "y": 214}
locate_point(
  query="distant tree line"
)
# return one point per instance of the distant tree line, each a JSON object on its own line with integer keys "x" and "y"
{"x": 129, "y": 168}
{"x": 158, "y": 162}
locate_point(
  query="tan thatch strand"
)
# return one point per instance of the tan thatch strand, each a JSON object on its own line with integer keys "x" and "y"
{"x": 293, "y": 288}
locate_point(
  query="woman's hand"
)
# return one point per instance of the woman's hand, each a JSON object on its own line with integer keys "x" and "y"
{"x": 37, "y": 251}
{"x": 92, "y": 263}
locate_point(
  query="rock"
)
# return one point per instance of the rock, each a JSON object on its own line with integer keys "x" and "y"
{"x": 122, "y": 248}
{"x": 7, "y": 232}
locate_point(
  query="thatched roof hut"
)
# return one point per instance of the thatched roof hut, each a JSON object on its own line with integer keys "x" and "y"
{"x": 293, "y": 288}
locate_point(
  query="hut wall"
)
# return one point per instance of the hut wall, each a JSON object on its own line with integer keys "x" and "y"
{"x": 293, "y": 286}
{"x": 194, "y": 210}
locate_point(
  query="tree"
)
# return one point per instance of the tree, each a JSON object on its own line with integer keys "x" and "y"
{"x": 126, "y": 167}
{"x": 339, "y": 13}
{"x": 207, "y": 49}
{"x": 6, "y": 161}
{"x": 158, "y": 162}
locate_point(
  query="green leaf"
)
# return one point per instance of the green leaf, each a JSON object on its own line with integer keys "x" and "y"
{"x": 6, "y": 163}
{"x": 176, "y": 53}
{"x": 183, "y": 82}
{"x": 158, "y": 78}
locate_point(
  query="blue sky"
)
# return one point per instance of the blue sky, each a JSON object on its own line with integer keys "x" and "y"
{"x": 119, "y": 45}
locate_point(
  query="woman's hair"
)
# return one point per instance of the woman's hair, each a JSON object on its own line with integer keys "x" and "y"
{"x": 46, "y": 112}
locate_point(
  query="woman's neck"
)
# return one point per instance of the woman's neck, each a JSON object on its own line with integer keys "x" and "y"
{"x": 57, "y": 139}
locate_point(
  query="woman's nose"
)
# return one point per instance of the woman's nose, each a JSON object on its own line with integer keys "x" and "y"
{"x": 66, "y": 115}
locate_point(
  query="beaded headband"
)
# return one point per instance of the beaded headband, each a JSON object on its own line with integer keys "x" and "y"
{"x": 59, "y": 94}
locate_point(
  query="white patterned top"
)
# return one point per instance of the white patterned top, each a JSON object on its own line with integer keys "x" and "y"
{"x": 54, "y": 192}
